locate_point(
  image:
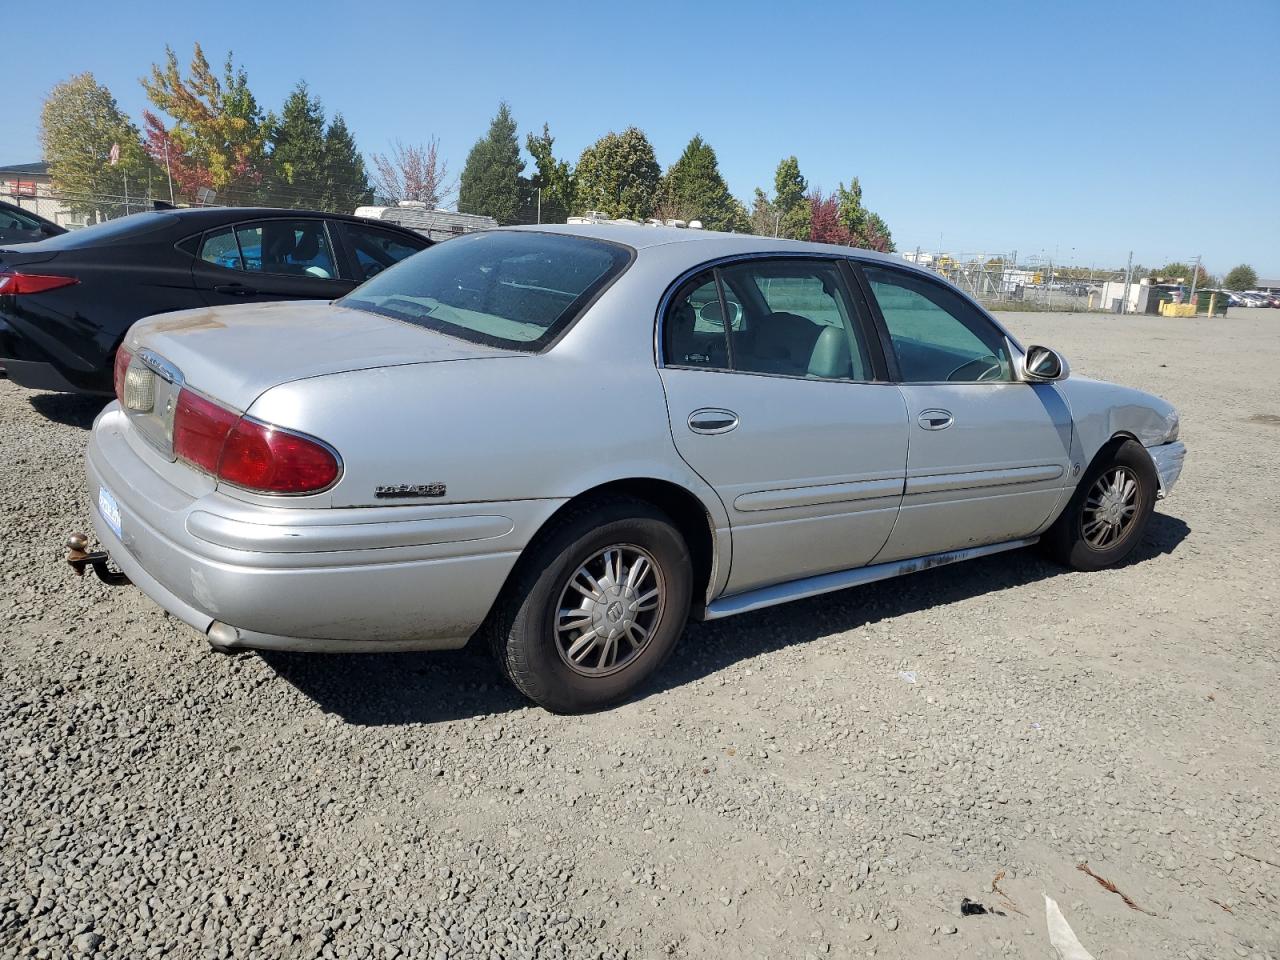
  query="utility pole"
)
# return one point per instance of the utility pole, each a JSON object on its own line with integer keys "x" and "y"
{"x": 169, "y": 172}
{"x": 1128, "y": 283}
{"x": 1195, "y": 275}
{"x": 539, "y": 205}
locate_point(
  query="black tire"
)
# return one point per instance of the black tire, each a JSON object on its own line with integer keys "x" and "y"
{"x": 522, "y": 629}
{"x": 1066, "y": 540}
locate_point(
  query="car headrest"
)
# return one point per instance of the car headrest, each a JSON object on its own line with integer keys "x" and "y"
{"x": 831, "y": 359}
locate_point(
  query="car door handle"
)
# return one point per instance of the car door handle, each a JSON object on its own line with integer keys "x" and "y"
{"x": 935, "y": 419}
{"x": 712, "y": 420}
{"x": 234, "y": 289}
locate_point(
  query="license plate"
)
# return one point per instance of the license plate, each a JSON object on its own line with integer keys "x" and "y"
{"x": 109, "y": 509}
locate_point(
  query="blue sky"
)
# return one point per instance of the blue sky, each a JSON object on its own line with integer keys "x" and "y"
{"x": 1077, "y": 130}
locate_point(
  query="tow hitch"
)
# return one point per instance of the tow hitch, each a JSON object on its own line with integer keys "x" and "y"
{"x": 79, "y": 558}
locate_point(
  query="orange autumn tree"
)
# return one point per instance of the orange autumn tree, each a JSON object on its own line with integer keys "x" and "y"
{"x": 216, "y": 136}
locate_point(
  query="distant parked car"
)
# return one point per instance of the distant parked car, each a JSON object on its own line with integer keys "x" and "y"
{"x": 571, "y": 439}
{"x": 22, "y": 226}
{"x": 66, "y": 302}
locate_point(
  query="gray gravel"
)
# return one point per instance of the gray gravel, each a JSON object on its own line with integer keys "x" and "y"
{"x": 783, "y": 792}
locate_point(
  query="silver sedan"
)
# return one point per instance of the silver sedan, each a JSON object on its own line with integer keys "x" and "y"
{"x": 569, "y": 440}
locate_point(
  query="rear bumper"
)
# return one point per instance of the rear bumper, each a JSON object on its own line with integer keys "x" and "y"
{"x": 300, "y": 578}
{"x": 1168, "y": 458}
{"x": 29, "y": 366}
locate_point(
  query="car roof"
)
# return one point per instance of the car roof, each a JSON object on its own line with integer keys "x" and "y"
{"x": 709, "y": 243}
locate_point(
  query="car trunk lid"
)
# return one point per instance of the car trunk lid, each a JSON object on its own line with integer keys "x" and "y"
{"x": 232, "y": 355}
{"x": 236, "y": 353}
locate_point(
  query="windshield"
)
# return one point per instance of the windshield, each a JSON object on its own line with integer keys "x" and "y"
{"x": 503, "y": 288}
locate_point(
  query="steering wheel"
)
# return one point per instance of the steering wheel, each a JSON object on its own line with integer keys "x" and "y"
{"x": 991, "y": 369}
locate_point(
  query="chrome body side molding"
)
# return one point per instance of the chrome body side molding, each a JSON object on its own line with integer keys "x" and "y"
{"x": 842, "y": 579}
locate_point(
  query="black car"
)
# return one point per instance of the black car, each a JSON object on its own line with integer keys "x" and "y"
{"x": 23, "y": 226}
{"x": 66, "y": 302}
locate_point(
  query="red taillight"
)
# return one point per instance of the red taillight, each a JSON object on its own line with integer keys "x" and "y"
{"x": 259, "y": 456}
{"x": 248, "y": 453}
{"x": 123, "y": 357}
{"x": 20, "y": 283}
{"x": 200, "y": 428}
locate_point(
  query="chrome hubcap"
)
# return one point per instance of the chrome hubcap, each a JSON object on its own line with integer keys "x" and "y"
{"x": 1109, "y": 508}
{"x": 609, "y": 609}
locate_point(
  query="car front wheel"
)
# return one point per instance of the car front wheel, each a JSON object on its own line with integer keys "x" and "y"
{"x": 595, "y": 606}
{"x": 1109, "y": 511}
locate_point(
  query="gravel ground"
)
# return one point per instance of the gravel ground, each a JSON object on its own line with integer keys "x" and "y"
{"x": 783, "y": 791}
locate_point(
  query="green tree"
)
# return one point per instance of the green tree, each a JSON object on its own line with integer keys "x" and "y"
{"x": 618, "y": 175}
{"x": 346, "y": 181}
{"x": 79, "y": 123}
{"x": 866, "y": 229}
{"x": 554, "y": 178}
{"x": 298, "y": 164}
{"x": 217, "y": 123}
{"x": 491, "y": 183}
{"x": 1243, "y": 277}
{"x": 694, "y": 186}
{"x": 790, "y": 200}
{"x": 1178, "y": 272}
{"x": 765, "y": 218}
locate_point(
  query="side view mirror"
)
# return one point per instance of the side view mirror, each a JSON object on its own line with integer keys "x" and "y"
{"x": 1044, "y": 365}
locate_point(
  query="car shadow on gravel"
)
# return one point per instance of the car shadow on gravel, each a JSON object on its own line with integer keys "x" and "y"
{"x": 381, "y": 689}
{"x": 710, "y": 647}
{"x": 402, "y": 688}
{"x": 70, "y": 409}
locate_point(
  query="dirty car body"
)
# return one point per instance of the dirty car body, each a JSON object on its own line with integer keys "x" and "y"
{"x": 803, "y": 418}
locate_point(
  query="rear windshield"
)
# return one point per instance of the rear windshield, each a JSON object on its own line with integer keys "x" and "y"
{"x": 503, "y": 288}
{"x": 120, "y": 230}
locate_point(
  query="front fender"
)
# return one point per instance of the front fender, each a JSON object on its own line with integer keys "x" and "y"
{"x": 1102, "y": 411}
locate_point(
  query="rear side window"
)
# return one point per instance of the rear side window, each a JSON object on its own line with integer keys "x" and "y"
{"x": 516, "y": 289}
{"x": 220, "y": 249}
{"x": 789, "y": 318}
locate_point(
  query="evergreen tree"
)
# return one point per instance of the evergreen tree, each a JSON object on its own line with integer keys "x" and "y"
{"x": 554, "y": 178}
{"x": 618, "y": 176}
{"x": 694, "y": 186}
{"x": 866, "y": 229}
{"x": 790, "y": 200}
{"x": 491, "y": 183}
{"x": 79, "y": 124}
{"x": 765, "y": 219}
{"x": 346, "y": 182}
{"x": 298, "y": 165}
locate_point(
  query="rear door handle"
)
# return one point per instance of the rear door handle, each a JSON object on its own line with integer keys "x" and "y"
{"x": 712, "y": 420}
{"x": 234, "y": 289}
{"x": 935, "y": 419}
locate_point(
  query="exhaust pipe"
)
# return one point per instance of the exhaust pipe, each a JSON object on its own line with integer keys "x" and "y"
{"x": 79, "y": 557}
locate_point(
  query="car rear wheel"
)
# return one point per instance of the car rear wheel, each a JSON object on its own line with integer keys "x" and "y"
{"x": 595, "y": 607}
{"x": 1109, "y": 511}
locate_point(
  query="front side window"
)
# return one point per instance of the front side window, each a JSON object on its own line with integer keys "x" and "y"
{"x": 937, "y": 335}
{"x": 515, "y": 289}
{"x": 786, "y": 317}
{"x": 375, "y": 249}
{"x": 297, "y": 248}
